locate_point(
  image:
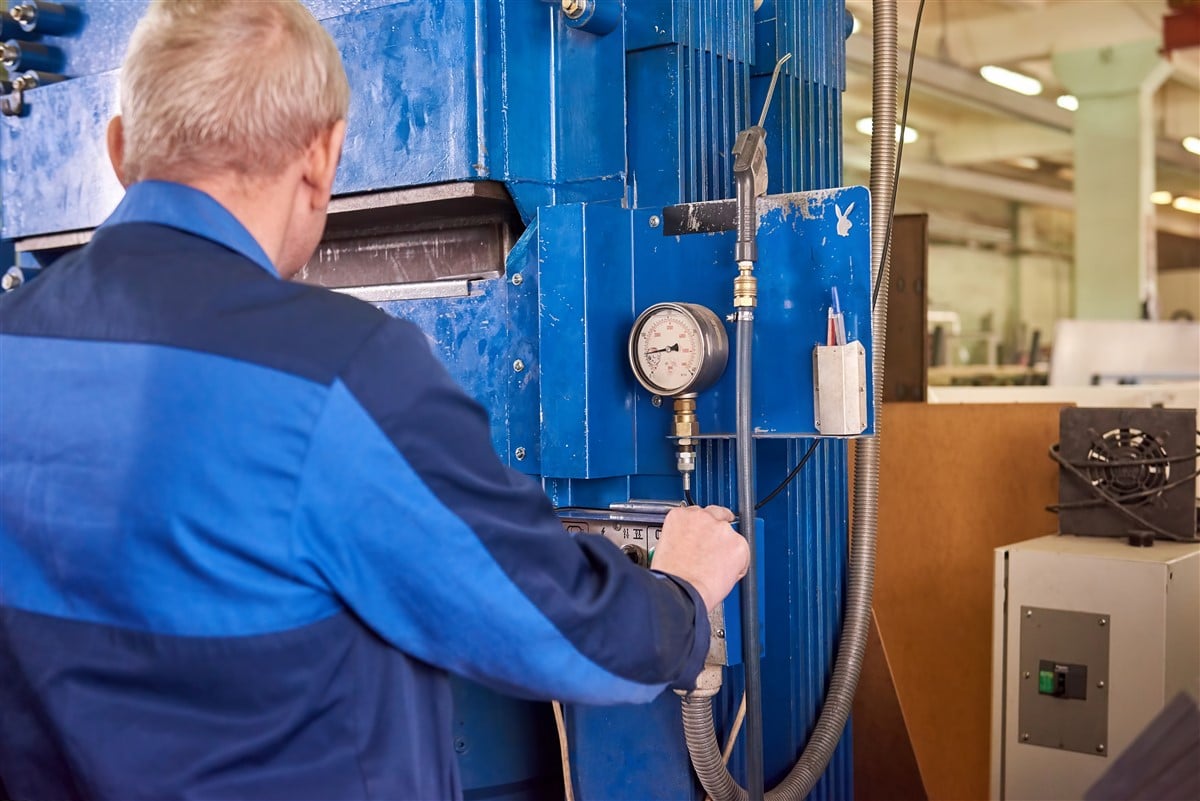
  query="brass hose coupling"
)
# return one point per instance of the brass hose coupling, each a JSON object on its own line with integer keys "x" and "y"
{"x": 685, "y": 429}
{"x": 745, "y": 287}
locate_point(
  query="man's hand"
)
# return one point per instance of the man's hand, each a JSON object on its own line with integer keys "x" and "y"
{"x": 699, "y": 546}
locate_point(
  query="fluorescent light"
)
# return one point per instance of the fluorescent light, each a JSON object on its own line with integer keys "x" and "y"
{"x": 1161, "y": 198}
{"x": 1069, "y": 102}
{"x": 1188, "y": 204}
{"x": 1192, "y": 144}
{"x": 865, "y": 127}
{"x": 1013, "y": 81}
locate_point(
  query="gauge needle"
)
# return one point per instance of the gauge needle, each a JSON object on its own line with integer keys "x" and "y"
{"x": 660, "y": 350}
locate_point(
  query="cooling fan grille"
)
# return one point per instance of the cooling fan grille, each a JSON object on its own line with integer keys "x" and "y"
{"x": 1128, "y": 464}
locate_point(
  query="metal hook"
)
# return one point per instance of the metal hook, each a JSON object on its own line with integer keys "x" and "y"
{"x": 771, "y": 89}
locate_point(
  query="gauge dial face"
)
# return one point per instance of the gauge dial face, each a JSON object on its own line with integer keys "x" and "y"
{"x": 676, "y": 349}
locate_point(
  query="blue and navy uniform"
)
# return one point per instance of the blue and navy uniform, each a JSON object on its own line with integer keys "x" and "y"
{"x": 247, "y": 528}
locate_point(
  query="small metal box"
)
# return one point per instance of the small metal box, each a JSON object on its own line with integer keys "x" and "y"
{"x": 840, "y": 389}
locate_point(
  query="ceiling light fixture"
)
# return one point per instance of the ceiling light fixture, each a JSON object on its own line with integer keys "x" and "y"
{"x": 1012, "y": 81}
{"x": 1192, "y": 144}
{"x": 1069, "y": 102}
{"x": 865, "y": 126}
{"x": 1189, "y": 204}
{"x": 1161, "y": 198}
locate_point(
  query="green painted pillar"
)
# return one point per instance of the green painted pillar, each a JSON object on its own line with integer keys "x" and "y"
{"x": 1114, "y": 175}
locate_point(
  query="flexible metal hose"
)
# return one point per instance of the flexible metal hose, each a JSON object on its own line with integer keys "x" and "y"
{"x": 839, "y": 699}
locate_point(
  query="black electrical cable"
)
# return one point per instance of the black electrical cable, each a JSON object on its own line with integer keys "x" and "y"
{"x": 1109, "y": 500}
{"x": 687, "y": 497}
{"x": 1185, "y": 457}
{"x": 795, "y": 472}
{"x": 887, "y": 237}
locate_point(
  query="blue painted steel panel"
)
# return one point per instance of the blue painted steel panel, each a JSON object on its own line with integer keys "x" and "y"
{"x": 585, "y": 294}
{"x": 802, "y": 255}
{"x": 416, "y": 86}
{"x": 412, "y": 120}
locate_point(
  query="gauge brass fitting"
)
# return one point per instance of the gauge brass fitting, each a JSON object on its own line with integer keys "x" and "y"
{"x": 745, "y": 287}
{"x": 686, "y": 427}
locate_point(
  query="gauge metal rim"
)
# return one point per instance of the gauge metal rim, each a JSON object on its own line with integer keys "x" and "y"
{"x": 713, "y": 339}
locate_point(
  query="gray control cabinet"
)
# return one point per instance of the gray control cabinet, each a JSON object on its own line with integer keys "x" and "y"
{"x": 1091, "y": 638}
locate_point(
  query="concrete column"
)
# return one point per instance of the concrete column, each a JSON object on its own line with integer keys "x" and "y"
{"x": 1114, "y": 175}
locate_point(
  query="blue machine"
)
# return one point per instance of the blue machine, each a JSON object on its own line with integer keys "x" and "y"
{"x": 522, "y": 179}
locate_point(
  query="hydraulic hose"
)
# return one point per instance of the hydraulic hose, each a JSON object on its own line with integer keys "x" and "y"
{"x": 745, "y": 477}
{"x": 839, "y": 699}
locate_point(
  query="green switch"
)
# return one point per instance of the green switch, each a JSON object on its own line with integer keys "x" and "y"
{"x": 1046, "y": 682}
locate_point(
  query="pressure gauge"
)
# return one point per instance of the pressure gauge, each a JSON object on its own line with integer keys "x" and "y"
{"x": 678, "y": 349}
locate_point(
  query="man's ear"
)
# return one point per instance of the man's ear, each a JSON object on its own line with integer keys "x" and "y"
{"x": 116, "y": 148}
{"x": 323, "y": 156}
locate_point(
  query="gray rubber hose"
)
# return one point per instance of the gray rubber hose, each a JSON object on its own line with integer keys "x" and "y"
{"x": 697, "y": 709}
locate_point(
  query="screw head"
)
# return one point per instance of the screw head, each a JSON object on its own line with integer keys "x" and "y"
{"x": 1025, "y": 737}
{"x": 460, "y": 745}
{"x": 518, "y": 365}
{"x": 574, "y": 9}
{"x": 518, "y": 279}
{"x": 1028, "y": 613}
{"x": 1100, "y": 748}
{"x": 520, "y": 454}
{"x": 656, "y": 400}
{"x": 1103, "y": 621}
{"x": 1100, "y": 684}
{"x": 720, "y": 634}
{"x": 655, "y": 221}
{"x": 1027, "y": 674}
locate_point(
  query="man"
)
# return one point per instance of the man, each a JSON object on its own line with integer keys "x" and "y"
{"x": 247, "y": 526}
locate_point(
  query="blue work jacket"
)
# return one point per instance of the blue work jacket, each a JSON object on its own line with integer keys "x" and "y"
{"x": 248, "y": 527}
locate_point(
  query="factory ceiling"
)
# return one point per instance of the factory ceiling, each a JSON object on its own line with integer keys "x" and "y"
{"x": 978, "y": 139}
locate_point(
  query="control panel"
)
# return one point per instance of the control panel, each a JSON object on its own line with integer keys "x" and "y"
{"x": 636, "y": 528}
{"x": 1064, "y": 680}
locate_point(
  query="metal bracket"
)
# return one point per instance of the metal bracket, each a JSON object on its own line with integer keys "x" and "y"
{"x": 14, "y": 104}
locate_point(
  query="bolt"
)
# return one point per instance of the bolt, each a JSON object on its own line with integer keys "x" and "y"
{"x": 518, "y": 279}
{"x": 720, "y": 634}
{"x": 574, "y": 9}
{"x": 1100, "y": 748}
{"x": 656, "y": 400}
{"x": 520, "y": 454}
{"x": 1025, "y": 737}
{"x": 1100, "y": 684}
{"x": 1027, "y": 674}
{"x": 10, "y": 281}
{"x": 1103, "y": 621}
{"x": 655, "y": 221}
{"x": 518, "y": 365}
{"x": 25, "y": 14}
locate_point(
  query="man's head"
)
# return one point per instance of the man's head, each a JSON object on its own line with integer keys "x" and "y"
{"x": 235, "y": 94}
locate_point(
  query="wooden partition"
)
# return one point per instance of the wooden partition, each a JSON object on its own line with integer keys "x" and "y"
{"x": 955, "y": 483}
